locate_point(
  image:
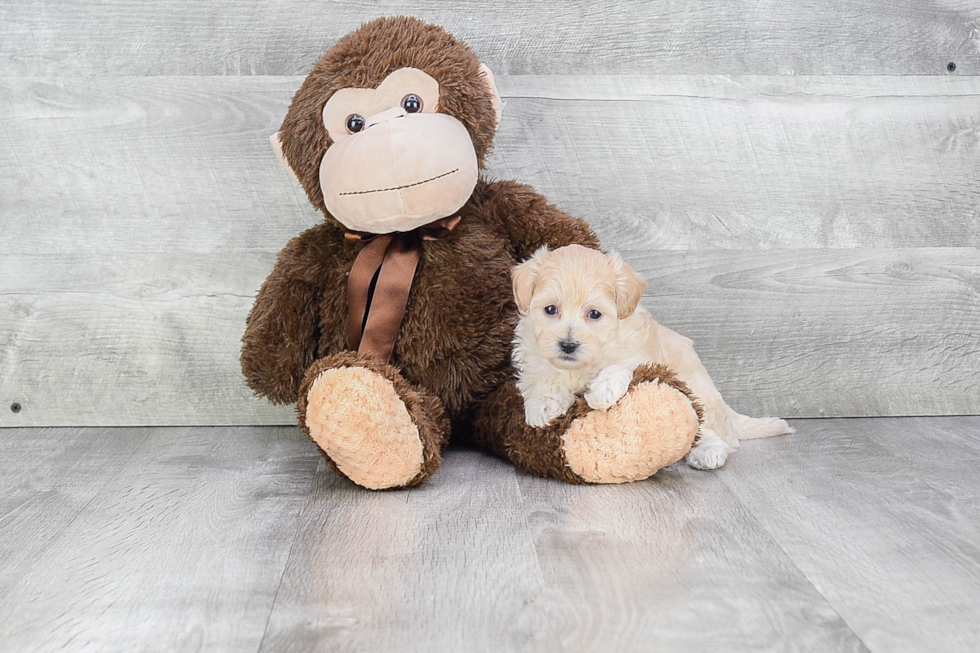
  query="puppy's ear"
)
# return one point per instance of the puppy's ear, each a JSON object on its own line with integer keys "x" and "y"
{"x": 524, "y": 276}
{"x": 629, "y": 286}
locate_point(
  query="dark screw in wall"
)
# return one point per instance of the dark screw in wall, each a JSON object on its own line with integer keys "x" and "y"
{"x": 15, "y": 407}
{"x": 951, "y": 66}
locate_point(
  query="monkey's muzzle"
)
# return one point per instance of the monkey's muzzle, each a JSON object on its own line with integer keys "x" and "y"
{"x": 401, "y": 172}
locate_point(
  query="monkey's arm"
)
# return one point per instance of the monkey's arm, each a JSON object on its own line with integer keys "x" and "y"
{"x": 281, "y": 332}
{"x": 530, "y": 221}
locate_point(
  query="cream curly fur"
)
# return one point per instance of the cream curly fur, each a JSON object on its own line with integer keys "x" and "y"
{"x": 582, "y": 332}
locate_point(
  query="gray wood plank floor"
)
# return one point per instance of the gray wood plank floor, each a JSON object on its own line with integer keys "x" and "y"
{"x": 852, "y": 535}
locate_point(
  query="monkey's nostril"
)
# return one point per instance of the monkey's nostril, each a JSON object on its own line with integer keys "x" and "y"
{"x": 568, "y": 346}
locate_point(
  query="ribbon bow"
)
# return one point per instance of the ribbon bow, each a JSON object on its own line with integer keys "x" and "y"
{"x": 380, "y": 281}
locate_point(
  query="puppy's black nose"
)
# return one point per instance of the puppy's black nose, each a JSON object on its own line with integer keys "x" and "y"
{"x": 567, "y": 346}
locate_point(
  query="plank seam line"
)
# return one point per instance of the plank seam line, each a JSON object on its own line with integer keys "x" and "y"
{"x": 516, "y": 479}
{"x": 789, "y": 559}
{"x": 289, "y": 556}
{"x": 98, "y": 494}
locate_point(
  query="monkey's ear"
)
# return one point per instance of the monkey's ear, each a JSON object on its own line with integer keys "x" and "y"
{"x": 277, "y": 148}
{"x": 494, "y": 95}
{"x": 524, "y": 276}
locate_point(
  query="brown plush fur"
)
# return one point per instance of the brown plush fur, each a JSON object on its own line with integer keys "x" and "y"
{"x": 425, "y": 409}
{"x": 500, "y": 428}
{"x": 652, "y": 426}
{"x": 453, "y": 349}
{"x": 461, "y": 307}
{"x": 362, "y": 59}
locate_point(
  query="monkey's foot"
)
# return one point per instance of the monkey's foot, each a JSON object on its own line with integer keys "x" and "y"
{"x": 653, "y": 425}
{"x": 371, "y": 424}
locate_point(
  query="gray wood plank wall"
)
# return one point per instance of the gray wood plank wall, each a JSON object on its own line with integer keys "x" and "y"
{"x": 798, "y": 181}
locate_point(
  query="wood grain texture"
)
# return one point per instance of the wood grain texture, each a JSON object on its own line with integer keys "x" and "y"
{"x": 752, "y": 162}
{"x": 181, "y": 549}
{"x": 129, "y": 339}
{"x": 944, "y": 454}
{"x": 139, "y": 216}
{"x": 48, "y": 477}
{"x": 672, "y": 564}
{"x": 901, "y": 37}
{"x": 500, "y": 562}
{"x": 823, "y": 333}
{"x": 156, "y": 165}
{"x": 241, "y": 539}
{"x": 183, "y": 164}
{"x": 896, "y": 557}
{"x": 447, "y": 566}
{"x": 154, "y": 339}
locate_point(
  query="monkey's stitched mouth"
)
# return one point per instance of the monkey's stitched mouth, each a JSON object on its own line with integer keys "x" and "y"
{"x": 416, "y": 183}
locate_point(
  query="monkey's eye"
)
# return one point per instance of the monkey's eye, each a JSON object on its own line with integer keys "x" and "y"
{"x": 551, "y": 309}
{"x": 412, "y": 103}
{"x": 355, "y": 123}
{"x": 594, "y": 314}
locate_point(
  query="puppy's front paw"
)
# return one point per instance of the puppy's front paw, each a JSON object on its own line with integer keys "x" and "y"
{"x": 608, "y": 388}
{"x": 539, "y": 412}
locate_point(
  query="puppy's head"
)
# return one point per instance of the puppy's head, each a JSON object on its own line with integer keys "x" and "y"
{"x": 574, "y": 297}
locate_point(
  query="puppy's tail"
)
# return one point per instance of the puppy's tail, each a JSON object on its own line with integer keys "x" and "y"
{"x": 751, "y": 428}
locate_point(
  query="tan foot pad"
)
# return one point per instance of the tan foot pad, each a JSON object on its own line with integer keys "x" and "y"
{"x": 652, "y": 426}
{"x": 356, "y": 416}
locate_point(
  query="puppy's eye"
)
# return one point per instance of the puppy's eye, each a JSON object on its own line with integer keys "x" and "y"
{"x": 355, "y": 123}
{"x": 551, "y": 310}
{"x": 594, "y": 314}
{"x": 412, "y": 103}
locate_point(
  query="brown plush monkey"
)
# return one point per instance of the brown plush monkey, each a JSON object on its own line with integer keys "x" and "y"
{"x": 390, "y": 323}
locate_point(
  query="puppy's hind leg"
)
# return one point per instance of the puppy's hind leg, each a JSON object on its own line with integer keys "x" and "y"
{"x": 710, "y": 451}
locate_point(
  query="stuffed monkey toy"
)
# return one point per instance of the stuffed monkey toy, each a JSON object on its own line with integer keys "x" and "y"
{"x": 390, "y": 323}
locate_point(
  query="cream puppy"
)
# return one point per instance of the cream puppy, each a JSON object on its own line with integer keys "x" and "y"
{"x": 581, "y": 331}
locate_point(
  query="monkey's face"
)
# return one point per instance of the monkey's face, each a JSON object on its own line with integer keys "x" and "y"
{"x": 388, "y": 131}
{"x": 396, "y": 163}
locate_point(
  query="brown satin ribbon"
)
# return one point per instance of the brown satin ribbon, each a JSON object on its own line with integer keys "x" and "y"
{"x": 393, "y": 258}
